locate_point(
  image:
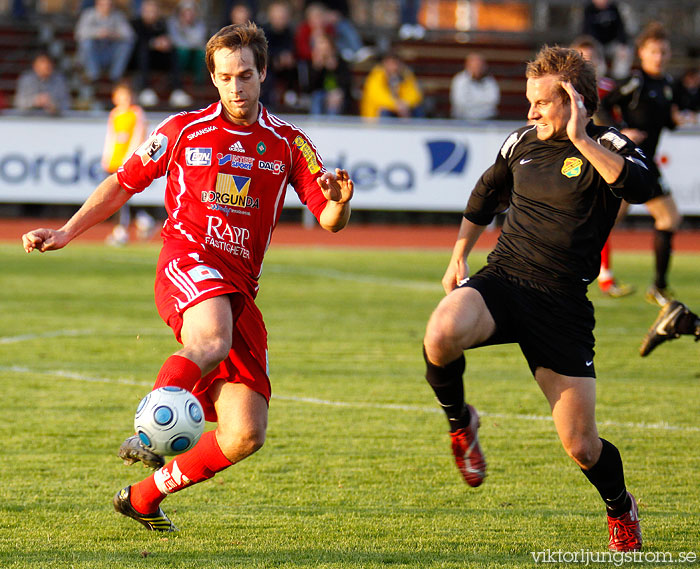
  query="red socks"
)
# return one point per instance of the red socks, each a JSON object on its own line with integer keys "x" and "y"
{"x": 178, "y": 371}
{"x": 196, "y": 465}
{"x": 605, "y": 256}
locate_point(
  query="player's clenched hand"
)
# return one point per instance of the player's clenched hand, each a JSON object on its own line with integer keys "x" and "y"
{"x": 456, "y": 272}
{"x": 336, "y": 187}
{"x": 44, "y": 240}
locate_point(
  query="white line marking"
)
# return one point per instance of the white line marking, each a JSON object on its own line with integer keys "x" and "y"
{"x": 76, "y": 376}
{"x": 50, "y": 334}
{"x": 660, "y": 426}
{"x": 663, "y": 426}
{"x": 77, "y": 333}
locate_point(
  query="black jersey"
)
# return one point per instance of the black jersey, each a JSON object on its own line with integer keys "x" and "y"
{"x": 559, "y": 209}
{"x": 645, "y": 103}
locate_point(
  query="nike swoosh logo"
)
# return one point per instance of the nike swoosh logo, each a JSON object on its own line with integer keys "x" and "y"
{"x": 523, "y": 161}
{"x": 589, "y": 364}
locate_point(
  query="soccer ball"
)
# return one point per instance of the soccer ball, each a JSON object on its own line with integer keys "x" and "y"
{"x": 169, "y": 420}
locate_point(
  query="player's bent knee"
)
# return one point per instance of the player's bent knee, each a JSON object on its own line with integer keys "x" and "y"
{"x": 238, "y": 445}
{"x": 212, "y": 350}
{"x": 582, "y": 452}
{"x": 441, "y": 340}
{"x": 668, "y": 223}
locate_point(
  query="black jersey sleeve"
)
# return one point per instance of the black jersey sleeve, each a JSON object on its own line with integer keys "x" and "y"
{"x": 491, "y": 194}
{"x": 636, "y": 182}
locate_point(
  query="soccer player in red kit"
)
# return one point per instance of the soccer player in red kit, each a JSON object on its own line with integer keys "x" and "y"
{"x": 227, "y": 168}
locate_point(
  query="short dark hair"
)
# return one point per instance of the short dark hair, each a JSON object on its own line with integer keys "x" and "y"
{"x": 568, "y": 64}
{"x": 236, "y": 37}
{"x": 586, "y": 41}
{"x": 653, "y": 31}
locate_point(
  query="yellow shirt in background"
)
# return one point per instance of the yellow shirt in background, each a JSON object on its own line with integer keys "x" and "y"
{"x": 126, "y": 129}
{"x": 378, "y": 94}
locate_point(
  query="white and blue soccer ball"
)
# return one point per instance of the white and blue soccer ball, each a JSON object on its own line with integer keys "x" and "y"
{"x": 169, "y": 420}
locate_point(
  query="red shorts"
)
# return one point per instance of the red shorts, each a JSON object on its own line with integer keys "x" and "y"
{"x": 186, "y": 277}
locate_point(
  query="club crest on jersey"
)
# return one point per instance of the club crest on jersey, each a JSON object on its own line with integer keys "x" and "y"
{"x": 572, "y": 167}
{"x": 276, "y": 166}
{"x": 198, "y": 156}
{"x": 308, "y": 153}
{"x": 153, "y": 149}
{"x": 231, "y": 192}
{"x": 243, "y": 162}
{"x": 261, "y": 148}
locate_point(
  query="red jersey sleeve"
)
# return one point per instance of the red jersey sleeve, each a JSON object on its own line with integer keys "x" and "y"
{"x": 150, "y": 160}
{"x": 307, "y": 166}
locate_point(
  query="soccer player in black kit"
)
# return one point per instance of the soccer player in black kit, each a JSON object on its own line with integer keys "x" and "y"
{"x": 559, "y": 181}
{"x": 645, "y": 105}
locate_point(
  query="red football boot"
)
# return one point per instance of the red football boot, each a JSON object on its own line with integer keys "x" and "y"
{"x": 625, "y": 532}
{"x": 468, "y": 456}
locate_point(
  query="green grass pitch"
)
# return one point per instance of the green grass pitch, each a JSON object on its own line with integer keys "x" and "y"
{"x": 356, "y": 471}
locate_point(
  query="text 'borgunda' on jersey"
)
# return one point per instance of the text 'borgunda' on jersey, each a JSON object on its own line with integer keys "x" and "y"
{"x": 226, "y": 183}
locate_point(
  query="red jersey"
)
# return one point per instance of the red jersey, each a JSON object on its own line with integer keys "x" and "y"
{"x": 226, "y": 183}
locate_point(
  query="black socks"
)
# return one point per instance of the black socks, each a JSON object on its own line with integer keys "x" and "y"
{"x": 608, "y": 477}
{"x": 662, "y": 255}
{"x": 449, "y": 389}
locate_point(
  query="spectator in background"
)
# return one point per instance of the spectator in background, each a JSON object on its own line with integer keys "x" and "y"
{"x": 329, "y": 79}
{"x": 105, "y": 40}
{"x": 602, "y": 20}
{"x": 391, "y": 90}
{"x": 240, "y": 13}
{"x": 19, "y": 10}
{"x": 282, "y": 80}
{"x": 410, "y": 28}
{"x": 241, "y": 7}
{"x": 126, "y": 130}
{"x": 315, "y": 22}
{"x": 347, "y": 39}
{"x": 188, "y": 33}
{"x": 473, "y": 93}
{"x": 42, "y": 89}
{"x": 152, "y": 50}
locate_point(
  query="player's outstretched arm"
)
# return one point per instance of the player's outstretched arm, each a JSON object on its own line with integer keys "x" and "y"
{"x": 107, "y": 198}
{"x": 338, "y": 189}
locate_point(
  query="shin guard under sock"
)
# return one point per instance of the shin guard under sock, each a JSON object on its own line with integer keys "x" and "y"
{"x": 608, "y": 476}
{"x": 178, "y": 371}
{"x": 196, "y": 465}
{"x": 447, "y": 383}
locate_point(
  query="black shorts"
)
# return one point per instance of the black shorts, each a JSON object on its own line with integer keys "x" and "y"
{"x": 554, "y": 328}
{"x": 660, "y": 186}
